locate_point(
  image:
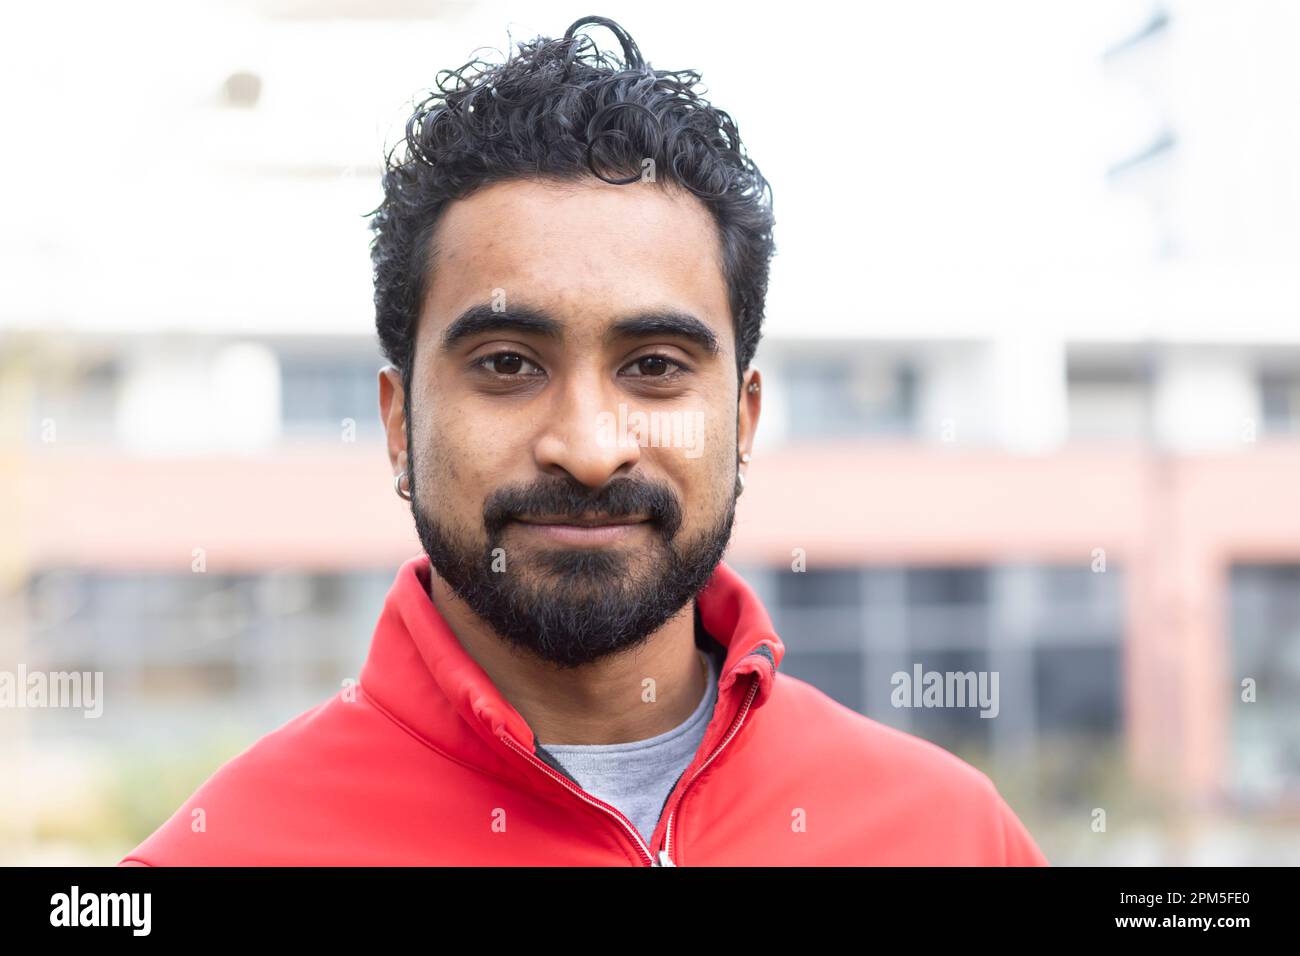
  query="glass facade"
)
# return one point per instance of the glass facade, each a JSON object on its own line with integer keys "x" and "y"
{"x": 1052, "y": 635}
{"x": 1265, "y": 679}
{"x": 182, "y": 649}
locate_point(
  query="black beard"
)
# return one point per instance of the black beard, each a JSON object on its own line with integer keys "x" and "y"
{"x": 595, "y": 605}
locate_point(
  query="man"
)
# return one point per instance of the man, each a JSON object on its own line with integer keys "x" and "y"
{"x": 571, "y": 261}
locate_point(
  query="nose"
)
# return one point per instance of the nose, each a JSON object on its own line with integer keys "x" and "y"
{"x": 587, "y": 434}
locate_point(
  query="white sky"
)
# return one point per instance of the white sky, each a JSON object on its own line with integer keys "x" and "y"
{"x": 938, "y": 167}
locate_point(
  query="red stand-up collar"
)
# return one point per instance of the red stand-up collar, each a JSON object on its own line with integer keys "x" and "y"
{"x": 418, "y": 672}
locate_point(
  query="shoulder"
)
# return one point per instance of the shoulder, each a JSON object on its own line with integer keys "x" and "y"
{"x": 271, "y": 801}
{"x": 842, "y": 732}
{"x": 901, "y": 778}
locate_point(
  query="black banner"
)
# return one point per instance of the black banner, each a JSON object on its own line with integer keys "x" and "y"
{"x": 340, "y": 905}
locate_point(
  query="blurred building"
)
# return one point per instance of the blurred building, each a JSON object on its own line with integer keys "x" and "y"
{"x": 1122, "y": 588}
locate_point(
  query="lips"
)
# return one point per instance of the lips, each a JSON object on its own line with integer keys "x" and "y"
{"x": 584, "y": 521}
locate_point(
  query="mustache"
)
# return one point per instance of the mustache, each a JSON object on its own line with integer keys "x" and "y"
{"x": 619, "y": 498}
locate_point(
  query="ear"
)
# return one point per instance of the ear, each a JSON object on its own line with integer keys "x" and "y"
{"x": 392, "y": 414}
{"x": 750, "y": 405}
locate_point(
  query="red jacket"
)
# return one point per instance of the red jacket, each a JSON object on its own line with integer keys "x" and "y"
{"x": 423, "y": 762}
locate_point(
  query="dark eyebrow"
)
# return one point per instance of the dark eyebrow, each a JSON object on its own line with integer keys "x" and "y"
{"x": 650, "y": 324}
{"x": 483, "y": 318}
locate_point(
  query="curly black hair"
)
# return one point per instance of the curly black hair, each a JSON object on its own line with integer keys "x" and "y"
{"x": 563, "y": 109}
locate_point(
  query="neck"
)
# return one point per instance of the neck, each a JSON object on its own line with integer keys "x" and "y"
{"x": 609, "y": 701}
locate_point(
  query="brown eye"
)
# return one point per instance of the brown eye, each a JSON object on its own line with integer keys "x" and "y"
{"x": 507, "y": 364}
{"x": 656, "y": 366}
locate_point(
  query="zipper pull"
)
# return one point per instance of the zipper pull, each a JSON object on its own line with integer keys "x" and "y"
{"x": 664, "y": 860}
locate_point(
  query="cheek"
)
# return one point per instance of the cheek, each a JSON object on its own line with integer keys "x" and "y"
{"x": 708, "y": 480}
{"x": 469, "y": 457}
{"x": 445, "y": 467}
{"x": 434, "y": 450}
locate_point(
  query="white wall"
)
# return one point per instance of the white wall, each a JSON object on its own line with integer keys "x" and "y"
{"x": 1206, "y": 400}
{"x": 180, "y": 397}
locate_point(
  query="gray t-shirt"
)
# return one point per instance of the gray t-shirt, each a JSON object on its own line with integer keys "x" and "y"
{"x": 637, "y": 777}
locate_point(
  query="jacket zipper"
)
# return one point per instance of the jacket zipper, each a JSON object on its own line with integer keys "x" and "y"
{"x": 665, "y": 854}
{"x": 646, "y": 856}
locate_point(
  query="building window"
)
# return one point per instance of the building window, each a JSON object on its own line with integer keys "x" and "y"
{"x": 1265, "y": 614}
{"x": 1280, "y": 398}
{"x": 1107, "y": 403}
{"x": 1052, "y": 634}
{"x": 77, "y": 406}
{"x": 839, "y": 398}
{"x": 1077, "y": 688}
{"x": 320, "y": 395}
{"x": 821, "y": 611}
{"x": 177, "y": 650}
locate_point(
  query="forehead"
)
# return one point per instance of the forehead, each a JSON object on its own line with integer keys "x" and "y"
{"x": 585, "y": 251}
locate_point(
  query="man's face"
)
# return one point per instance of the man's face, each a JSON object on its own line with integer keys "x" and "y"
{"x": 575, "y": 363}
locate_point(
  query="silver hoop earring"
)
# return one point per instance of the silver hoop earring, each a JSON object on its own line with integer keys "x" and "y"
{"x": 397, "y": 486}
{"x": 740, "y": 483}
